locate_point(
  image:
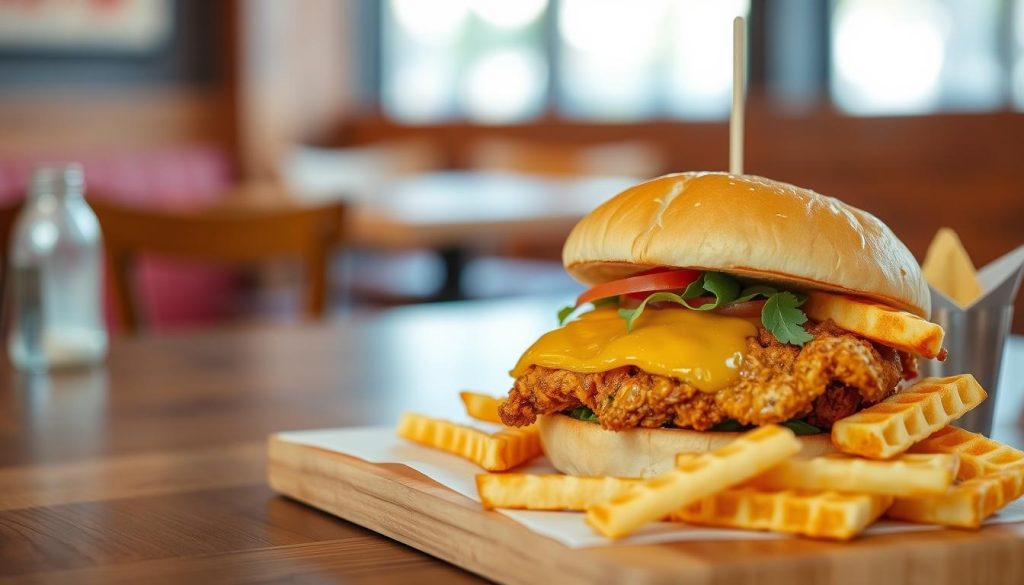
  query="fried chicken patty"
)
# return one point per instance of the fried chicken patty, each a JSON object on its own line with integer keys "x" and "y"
{"x": 830, "y": 377}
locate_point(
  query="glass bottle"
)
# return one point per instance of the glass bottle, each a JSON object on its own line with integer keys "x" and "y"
{"x": 55, "y": 264}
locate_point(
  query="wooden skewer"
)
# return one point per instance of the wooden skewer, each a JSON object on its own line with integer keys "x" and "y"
{"x": 739, "y": 67}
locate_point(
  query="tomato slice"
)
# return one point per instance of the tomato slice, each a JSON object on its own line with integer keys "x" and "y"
{"x": 650, "y": 281}
{"x": 747, "y": 309}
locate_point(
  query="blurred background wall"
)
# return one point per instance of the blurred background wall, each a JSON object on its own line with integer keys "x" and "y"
{"x": 909, "y": 109}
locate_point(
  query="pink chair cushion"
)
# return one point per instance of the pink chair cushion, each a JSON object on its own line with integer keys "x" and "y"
{"x": 171, "y": 294}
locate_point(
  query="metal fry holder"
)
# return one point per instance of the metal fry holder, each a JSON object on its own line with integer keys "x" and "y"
{"x": 976, "y": 334}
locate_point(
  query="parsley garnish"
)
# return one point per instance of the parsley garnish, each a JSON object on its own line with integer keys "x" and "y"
{"x": 780, "y": 314}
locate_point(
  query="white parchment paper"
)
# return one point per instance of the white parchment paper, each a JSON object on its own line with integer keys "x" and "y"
{"x": 380, "y": 445}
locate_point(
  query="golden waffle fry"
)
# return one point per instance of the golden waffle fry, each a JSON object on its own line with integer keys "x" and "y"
{"x": 906, "y": 476}
{"x": 818, "y": 514}
{"x": 972, "y": 467}
{"x": 499, "y": 451}
{"x": 481, "y": 406}
{"x": 885, "y": 325}
{"x": 547, "y": 492}
{"x": 993, "y": 475}
{"x": 892, "y": 426}
{"x": 965, "y": 505}
{"x": 1011, "y": 481}
{"x": 704, "y": 475}
{"x": 983, "y": 455}
{"x": 1012, "y": 478}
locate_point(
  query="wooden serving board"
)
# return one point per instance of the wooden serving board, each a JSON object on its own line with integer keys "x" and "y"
{"x": 409, "y": 507}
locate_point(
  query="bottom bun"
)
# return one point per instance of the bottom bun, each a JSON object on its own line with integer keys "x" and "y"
{"x": 577, "y": 447}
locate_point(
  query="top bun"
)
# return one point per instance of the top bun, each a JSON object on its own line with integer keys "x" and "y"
{"x": 751, "y": 227}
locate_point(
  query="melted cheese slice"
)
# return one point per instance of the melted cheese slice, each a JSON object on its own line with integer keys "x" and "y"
{"x": 699, "y": 348}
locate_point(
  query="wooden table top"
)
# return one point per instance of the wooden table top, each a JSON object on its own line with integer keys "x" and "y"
{"x": 152, "y": 469}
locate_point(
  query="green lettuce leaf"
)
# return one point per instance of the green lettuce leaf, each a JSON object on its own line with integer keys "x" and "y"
{"x": 757, "y": 290}
{"x": 730, "y": 426}
{"x": 567, "y": 311}
{"x": 631, "y": 315}
{"x": 801, "y": 427}
{"x": 695, "y": 288}
{"x": 724, "y": 288}
{"x": 798, "y": 426}
{"x": 582, "y": 413}
{"x": 781, "y": 313}
{"x": 564, "y": 313}
{"x": 605, "y": 302}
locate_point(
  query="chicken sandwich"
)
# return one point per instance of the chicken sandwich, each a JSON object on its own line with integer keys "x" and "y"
{"x": 718, "y": 303}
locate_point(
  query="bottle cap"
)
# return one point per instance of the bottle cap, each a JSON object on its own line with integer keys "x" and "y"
{"x": 57, "y": 178}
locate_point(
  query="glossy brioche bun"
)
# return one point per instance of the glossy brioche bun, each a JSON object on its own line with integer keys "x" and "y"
{"x": 750, "y": 227}
{"x": 577, "y": 447}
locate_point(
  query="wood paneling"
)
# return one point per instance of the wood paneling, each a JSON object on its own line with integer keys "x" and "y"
{"x": 48, "y": 121}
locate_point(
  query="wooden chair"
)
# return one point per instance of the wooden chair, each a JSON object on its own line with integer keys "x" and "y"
{"x": 8, "y": 215}
{"x": 221, "y": 235}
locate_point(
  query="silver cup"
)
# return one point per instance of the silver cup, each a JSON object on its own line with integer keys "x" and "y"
{"x": 975, "y": 340}
{"x": 976, "y": 334}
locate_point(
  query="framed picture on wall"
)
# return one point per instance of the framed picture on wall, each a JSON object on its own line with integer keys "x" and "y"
{"x": 129, "y": 26}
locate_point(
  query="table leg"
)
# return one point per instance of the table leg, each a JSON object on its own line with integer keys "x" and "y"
{"x": 455, "y": 260}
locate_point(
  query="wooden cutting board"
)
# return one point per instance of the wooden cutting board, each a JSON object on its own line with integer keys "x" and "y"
{"x": 409, "y": 507}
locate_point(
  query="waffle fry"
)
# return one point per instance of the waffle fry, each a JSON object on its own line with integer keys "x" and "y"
{"x": 908, "y": 475}
{"x": 547, "y": 492}
{"x": 1011, "y": 481}
{"x": 972, "y": 467}
{"x": 965, "y": 505}
{"x": 1011, "y": 477}
{"x": 885, "y": 325}
{"x": 499, "y": 451}
{"x": 981, "y": 455}
{"x": 817, "y": 514}
{"x": 992, "y": 474}
{"x": 749, "y": 455}
{"x": 481, "y": 406}
{"x": 892, "y": 426}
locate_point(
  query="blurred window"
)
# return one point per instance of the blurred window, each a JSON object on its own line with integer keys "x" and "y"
{"x": 508, "y": 61}
{"x": 488, "y": 60}
{"x": 635, "y": 59}
{"x": 481, "y": 59}
{"x": 917, "y": 56}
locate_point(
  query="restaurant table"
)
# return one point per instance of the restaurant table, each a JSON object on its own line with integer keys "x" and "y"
{"x": 151, "y": 469}
{"x": 453, "y": 213}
